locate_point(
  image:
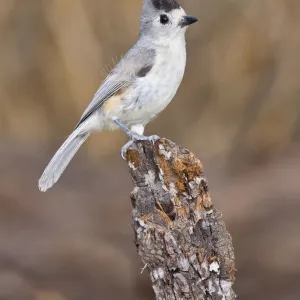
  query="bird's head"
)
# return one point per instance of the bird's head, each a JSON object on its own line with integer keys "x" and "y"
{"x": 164, "y": 19}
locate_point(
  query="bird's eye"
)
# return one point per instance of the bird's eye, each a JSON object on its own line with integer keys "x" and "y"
{"x": 164, "y": 19}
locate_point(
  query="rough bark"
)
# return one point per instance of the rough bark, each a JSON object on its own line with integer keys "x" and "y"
{"x": 179, "y": 234}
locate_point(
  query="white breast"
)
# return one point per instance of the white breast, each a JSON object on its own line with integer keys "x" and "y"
{"x": 155, "y": 91}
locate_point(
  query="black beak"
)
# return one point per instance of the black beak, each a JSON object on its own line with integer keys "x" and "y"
{"x": 188, "y": 20}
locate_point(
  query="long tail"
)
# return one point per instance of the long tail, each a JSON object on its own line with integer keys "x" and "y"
{"x": 61, "y": 159}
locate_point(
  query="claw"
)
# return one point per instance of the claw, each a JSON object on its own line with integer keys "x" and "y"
{"x": 124, "y": 149}
{"x": 151, "y": 138}
{"x": 137, "y": 137}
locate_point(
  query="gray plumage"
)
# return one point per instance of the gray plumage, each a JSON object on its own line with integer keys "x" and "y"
{"x": 61, "y": 159}
{"x": 139, "y": 87}
{"x": 133, "y": 65}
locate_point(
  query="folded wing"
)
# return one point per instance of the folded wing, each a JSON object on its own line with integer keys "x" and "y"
{"x": 138, "y": 62}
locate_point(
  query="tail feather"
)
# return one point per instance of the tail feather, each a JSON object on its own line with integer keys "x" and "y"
{"x": 61, "y": 159}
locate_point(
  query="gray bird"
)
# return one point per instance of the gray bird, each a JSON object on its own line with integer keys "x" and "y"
{"x": 139, "y": 87}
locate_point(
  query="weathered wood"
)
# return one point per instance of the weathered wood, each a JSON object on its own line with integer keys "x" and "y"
{"x": 179, "y": 234}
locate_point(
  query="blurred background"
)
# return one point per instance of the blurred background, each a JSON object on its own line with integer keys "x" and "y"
{"x": 237, "y": 109}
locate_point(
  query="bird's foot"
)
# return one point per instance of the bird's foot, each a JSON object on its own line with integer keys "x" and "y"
{"x": 137, "y": 137}
{"x": 125, "y": 148}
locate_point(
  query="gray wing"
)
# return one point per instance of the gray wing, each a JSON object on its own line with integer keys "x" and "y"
{"x": 136, "y": 63}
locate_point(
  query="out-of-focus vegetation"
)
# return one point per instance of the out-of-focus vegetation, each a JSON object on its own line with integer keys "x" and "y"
{"x": 238, "y": 109}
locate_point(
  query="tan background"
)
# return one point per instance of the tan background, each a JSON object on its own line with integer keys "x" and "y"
{"x": 238, "y": 109}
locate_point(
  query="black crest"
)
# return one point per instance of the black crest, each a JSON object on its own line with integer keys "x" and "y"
{"x": 166, "y": 5}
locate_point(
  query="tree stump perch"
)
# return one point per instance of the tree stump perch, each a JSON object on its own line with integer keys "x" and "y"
{"x": 179, "y": 235}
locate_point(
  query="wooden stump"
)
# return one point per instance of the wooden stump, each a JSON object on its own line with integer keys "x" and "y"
{"x": 179, "y": 234}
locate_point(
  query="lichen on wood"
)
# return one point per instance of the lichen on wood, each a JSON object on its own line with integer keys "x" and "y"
{"x": 179, "y": 234}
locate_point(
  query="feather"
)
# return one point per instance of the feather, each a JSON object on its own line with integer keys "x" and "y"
{"x": 136, "y": 63}
{"x": 61, "y": 159}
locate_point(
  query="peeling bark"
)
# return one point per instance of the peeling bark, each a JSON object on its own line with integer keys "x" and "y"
{"x": 179, "y": 234}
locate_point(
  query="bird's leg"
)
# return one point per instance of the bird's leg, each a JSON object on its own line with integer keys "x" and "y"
{"x": 123, "y": 127}
{"x": 134, "y": 136}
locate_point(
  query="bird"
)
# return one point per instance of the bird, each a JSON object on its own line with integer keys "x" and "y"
{"x": 137, "y": 89}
